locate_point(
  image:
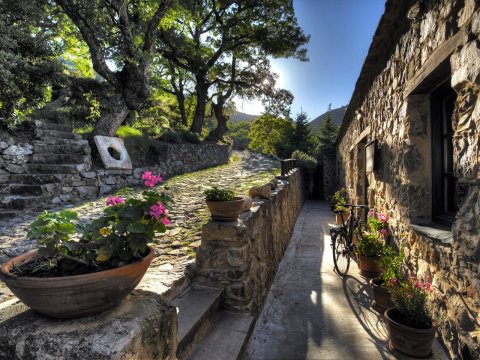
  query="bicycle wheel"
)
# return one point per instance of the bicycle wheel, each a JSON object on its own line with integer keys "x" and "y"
{"x": 341, "y": 254}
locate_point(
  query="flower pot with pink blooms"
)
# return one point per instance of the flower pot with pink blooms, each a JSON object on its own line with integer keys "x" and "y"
{"x": 83, "y": 269}
{"x": 223, "y": 204}
{"x": 411, "y": 329}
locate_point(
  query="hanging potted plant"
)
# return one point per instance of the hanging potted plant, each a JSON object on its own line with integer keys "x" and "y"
{"x": 81, "y": 270}
{"x": 410, "y": 326}
{"x": 337, "y": 200}
{"x": 390, "y": 264}
{"x": 223, "y": 204}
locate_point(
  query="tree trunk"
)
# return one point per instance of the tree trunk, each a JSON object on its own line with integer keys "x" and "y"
{"x": 109, "y": 123}
{"x": 202, "y": 94}
{"x": 181, "y": 106}
{"x": 217, "y": 133}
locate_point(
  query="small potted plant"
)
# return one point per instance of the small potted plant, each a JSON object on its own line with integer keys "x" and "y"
{"x": 223, "y": 204}
{"x": 83, "y": 269}
{"x": 391, "y": 266}
{"x": 337, "y": 200}
{"x": 372, "y": 245}
{"x": 410, "y": 326}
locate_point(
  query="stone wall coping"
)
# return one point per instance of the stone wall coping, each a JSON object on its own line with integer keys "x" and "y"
{"x": 434, "y": 232}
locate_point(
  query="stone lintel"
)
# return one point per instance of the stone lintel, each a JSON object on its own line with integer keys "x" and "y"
{"x": 143, "y": 326}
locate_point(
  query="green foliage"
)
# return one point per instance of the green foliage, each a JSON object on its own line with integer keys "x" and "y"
{"x": 327, "y": 134}
{"x": 144, "y": 151}
{"x": 171, "y": 136}
{"x": 391, "y": 265}
{"x": 411, "y": 301}
{"x": 216, "y": 194}
{"x": 239, "y": 133}
{"x": 28, "y": 60}
{"x": 127, "y": 131}
{"x": 271, "y": 135}
{"x": 370, "y": 245}
{"x": 339, "y": 198}
{"x": 302, "y": 138}
{"x": 306, "y": 161}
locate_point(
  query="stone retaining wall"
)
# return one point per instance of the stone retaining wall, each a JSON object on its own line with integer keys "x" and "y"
{"x": 243, "y": 256}
{"x": 407, "y": 60}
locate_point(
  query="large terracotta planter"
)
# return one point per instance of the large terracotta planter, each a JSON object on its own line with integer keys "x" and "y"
{"x": 226, "y": 210}
{"x": 74, "y": 296}
{"x": 382, "y": 298}
{"x": 338, "y": 218}
{"x": 409, "y": 341}
{"x": 370, "y": 266}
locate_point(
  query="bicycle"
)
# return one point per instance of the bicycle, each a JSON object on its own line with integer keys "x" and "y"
{"x": 342, "y": 238}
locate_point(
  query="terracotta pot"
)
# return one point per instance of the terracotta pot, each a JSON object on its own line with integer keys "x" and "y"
{"x": 409, "y": 341}
{"x": 74, "y": 296}
{"x": 382, "y": 298}
{"x": 370, "y": 266}
{"x": 345, "y": 215}
{"x": 226, "y": 210}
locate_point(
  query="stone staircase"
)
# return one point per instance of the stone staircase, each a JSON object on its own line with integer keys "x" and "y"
{"x": 58, "y": 157}
{"x": 207, "y": 331}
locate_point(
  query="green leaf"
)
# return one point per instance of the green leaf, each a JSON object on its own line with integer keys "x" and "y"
{"x": 137, "y": 228}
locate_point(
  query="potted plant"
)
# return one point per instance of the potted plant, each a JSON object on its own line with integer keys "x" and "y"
{"x": 83, "y": 269}
{"x": 372, "y": 245}
{"x": 337, "y": 200}
{"x": 223, "y": 204}
{"x": 410, "y": 326}
{"x": 390, "y": 263}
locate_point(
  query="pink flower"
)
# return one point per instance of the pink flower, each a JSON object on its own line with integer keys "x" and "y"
{"x": 417, "y": 284}
{"x": 384, "y": 232}
{"x": 157, "y": 210}
{"x": 371, "y": 213}
{"x": 165, "y": 221}
{"x": 392, "y": 282}
{"x": 114, "y": 200}
{"x": 427, "y": 286}
{"x": 150, "y": 179}
{"x": 382, "y": 218}
{"x": 409, "y": 296}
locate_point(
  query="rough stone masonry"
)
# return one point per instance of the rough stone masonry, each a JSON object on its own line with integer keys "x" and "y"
{"x": 392, "y": 103}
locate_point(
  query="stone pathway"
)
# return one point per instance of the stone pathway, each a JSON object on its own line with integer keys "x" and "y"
{"x": 176, "y": 248}
{"x": 311, "y": 312}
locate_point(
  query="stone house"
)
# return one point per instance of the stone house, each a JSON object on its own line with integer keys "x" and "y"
{"x": 409, "y": 146}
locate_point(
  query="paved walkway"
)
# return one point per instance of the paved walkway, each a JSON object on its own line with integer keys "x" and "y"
{"x": 311, "y": 312}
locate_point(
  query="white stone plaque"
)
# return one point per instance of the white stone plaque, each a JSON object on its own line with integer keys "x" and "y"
{"x": 107, "y": 145}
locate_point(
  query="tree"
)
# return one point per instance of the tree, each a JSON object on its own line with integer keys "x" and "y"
{"x": 28, "y": 60}
{"x": 302, "y": 138}
{"x": 121, "y": 36}
{"x": 271, "y": 135}
{"x": 213, "y": 39}
{"x": 327, "y": 134}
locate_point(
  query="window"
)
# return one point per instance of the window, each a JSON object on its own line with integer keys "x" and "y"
{"x": 444, "y": 200}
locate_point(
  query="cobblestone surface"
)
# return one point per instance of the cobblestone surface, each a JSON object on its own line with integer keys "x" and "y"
{"x": 176, "y": 248}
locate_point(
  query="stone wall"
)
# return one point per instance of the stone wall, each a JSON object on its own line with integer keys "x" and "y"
{"x": 391, "y": 103}
{"x": 329, "y": 162}
{"x": 243, "y": 256}
{"x": 31, "y": 177}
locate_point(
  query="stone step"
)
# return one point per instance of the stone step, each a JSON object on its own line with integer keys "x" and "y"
{"x": 60, "y": 159}
{"x": 23, "y": 201}
{"x": 39, "y": 179}
{"x": 8, "y": 214}
{"x": 227, "y": 339}
{"x": 43, "y": 124}
{"x": 50, "y": 140}
{"x": 55, "y": 168}
{"x": 42, "y": 133}
{"x": 195, "y": 308}
{"x": 25, "y": 189}
{"x": 41, "y": 148}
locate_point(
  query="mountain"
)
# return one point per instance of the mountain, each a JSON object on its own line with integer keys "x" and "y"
{"x": 337, "y": 117}
{"x": 238, "y": 116}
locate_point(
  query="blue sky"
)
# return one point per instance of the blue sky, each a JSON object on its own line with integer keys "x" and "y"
{"x": 340, "y": 34}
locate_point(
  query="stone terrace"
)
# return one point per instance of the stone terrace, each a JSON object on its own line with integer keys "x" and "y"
{"x": 176, "y": 248}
